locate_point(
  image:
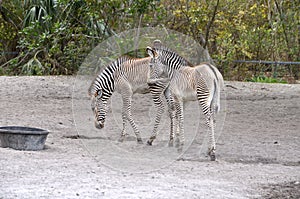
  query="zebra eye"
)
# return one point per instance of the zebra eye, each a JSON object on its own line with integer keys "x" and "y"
{"x": 99, "y": 93}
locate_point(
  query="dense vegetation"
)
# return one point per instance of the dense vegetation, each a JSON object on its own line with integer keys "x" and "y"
{"x": 54, "y": 36}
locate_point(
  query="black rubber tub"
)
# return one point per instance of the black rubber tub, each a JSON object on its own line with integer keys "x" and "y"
{"x": 23, "y": 138}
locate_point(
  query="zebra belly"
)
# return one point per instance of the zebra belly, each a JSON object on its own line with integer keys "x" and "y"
{"x": 189, "y": 95}
{"x": 141, "y": 89}
{"x": 186, "y": 95}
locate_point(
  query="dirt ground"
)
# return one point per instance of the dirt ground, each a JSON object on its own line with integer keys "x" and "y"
{"x": 258, "y": 145}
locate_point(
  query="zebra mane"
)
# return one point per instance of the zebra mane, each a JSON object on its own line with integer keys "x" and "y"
{"x": 116, "y": 63}
{"x": 157, "y": 45}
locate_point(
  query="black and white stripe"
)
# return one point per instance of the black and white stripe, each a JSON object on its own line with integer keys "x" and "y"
{"x": 105, "y": 80}
{"x": 127, "y": 76}
{"x": 204, "y": 79}
{"x": 170, "y": 58}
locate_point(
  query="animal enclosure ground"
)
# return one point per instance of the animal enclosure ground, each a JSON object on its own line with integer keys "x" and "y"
{"x": 258, "y": 150}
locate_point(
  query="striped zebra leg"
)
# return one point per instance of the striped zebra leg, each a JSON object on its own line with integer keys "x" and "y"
{"x": 132, "y": 123}
{"x": 157, "y": 87}
{"x": 180, "y": 122}
{"x": 203, "y": 95}
{"x": 126, "y": 113}
{"x": 159, "y": 111}
{"x": 212, "y": 148}
{"x": 124, "y": 120}
{"x": 176, "y": 125}
{"x": 211, "y": 128}
{"x": 172, "y": 115}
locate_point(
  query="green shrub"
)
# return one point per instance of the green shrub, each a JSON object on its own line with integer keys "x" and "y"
{"x": 263, "y": 79}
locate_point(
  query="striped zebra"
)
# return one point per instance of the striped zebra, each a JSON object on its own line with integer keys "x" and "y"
{"x": 126, "y": 76}
{"x": 202, "y": 82}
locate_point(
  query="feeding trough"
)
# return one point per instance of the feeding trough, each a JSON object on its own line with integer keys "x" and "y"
{"x": 23, "y": 138}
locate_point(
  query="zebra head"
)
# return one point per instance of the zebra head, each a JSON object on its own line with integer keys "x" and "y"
{"x": 157, "y": 68}
{"x": 100, "y": 109}
{"x": 165, "y": 60}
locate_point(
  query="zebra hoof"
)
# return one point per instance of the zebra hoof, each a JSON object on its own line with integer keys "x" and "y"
{"x": 177, "y": 143}
{"x": 121, "y": 139}
{"x": 171, "y": 143}
{"x": 212, "y": 155}
{"x": 139, "y": 141}
{"x": 149, "y": 142}
{"x": 180, "y": 149}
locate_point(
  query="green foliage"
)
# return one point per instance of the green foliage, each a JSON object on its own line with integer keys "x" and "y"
{"x": 240, "y": 30}
{"x": 264, "y": 79}
{"x": 9, "y": 27}
{"x": 33, "y": 67}
{"x": 54, "y": 36}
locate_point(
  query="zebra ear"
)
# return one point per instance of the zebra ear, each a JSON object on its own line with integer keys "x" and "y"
{"x": 151, "y": 52}
{"x": 157, "y": 43}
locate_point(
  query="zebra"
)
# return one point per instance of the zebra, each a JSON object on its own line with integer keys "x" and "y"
{"x": 127, "y": 76}
{"x": 161, "y": 85}
{"x": 202, "y": 82}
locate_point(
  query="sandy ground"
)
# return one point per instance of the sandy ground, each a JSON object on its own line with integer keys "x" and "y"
{"x": 258, "y": 145}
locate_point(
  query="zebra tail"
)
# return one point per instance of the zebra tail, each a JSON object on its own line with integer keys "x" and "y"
{"x": 218, "y": 86}
{"x": 215, "y": 102}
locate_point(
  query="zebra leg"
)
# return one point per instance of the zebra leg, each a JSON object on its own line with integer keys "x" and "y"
{"x": 202, "y": 95}
{"x": 172, "y": 115}
{"x": 127, "y": 113}
{"x": 159, "y": 111}
{"x": 180, "y": 119}
{"x": 212, "y": 148}
{"x": 157, "y": 86}
{"x": 177, "y": 128}
{"x": 124, "y": 120}
{"x": 134, "y": 126}
{"x": 210, "y": 122}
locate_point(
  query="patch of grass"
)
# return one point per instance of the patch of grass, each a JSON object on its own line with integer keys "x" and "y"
{"x": 263, "y": 79}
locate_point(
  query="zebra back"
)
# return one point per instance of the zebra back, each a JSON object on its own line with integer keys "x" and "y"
{"x": 210, "y": 73}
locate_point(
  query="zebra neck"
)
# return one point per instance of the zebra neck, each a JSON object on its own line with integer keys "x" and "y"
{"x": 106, "y": 95}
{"x": 107, "y": 82}
{"x": 106, "y": 79}
{"x": 172, "y": 65}
{"x": 173, "y": 61}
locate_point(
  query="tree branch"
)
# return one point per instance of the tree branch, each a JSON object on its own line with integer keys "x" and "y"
{"x": 282, "y": 23}
{"x": 210, "y": 23}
